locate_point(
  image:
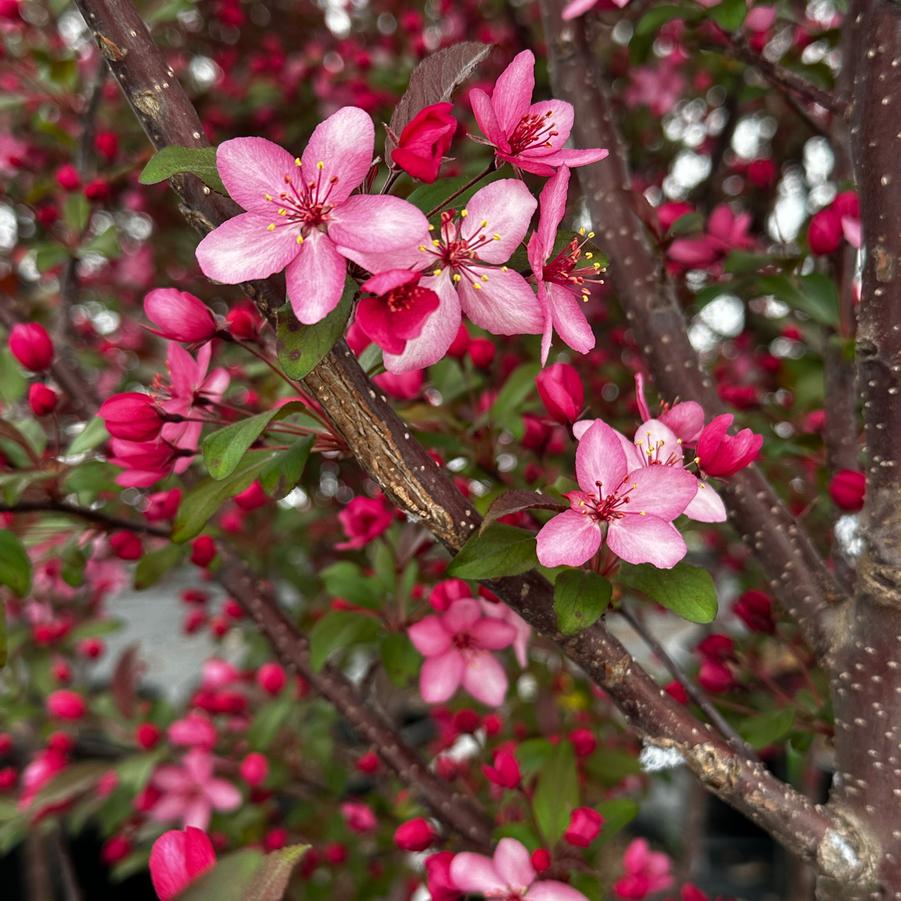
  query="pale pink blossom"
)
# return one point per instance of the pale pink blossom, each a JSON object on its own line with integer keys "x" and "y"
{"x": 193, "y": 730}
{"x": 191, "y": 792}
{"x": 509, "y": 874}
{"x": 577, "y": 8}
{"x": 685, "y": 419}
{"x": 629, "y": 504}
{"x": 301, "y": 214}
{"x": 499, "y": 610}
{"x": 529, "y": 136}
{"x": 562, "y": 282}
{"x": 457, "y": 646}
{"x": 647, "y": 872}
{"x": 726, "y": 231}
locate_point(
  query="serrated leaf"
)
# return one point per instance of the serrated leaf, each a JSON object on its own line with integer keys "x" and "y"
{"x": 205, "y": 498}
{"x": 246, "y": 875}
{"x": 284, "y": 472}
{"x": 434, "y": 80}
{"x": 153, "y": 566}
{"x": 580, "y": 597}
{"x": 557, "y": 793}
{"x": 15, "y": 565}
{"x": 515, "y": 502}
{"x": 338, "y": 630}
{"x": 767, "y": 728}
{"x": 301, "y": 347}
{"x": 498, "y": 551}
{"x": 169, "y": 161}
{"x": 686, "y": 590}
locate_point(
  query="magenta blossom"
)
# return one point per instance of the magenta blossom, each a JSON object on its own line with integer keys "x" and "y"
{"x": 457, "y": 646}
{"x": 190, "y": 792}
{"x": 301, "y": 216}
{"x": 530, "y": 136}
{"x": 363, "y": 520}
{"x": 467, "y": 273}
{"x": 397, "y": 310}
{"x": 179, "y": 316}
{"x": 508, "y": 875}
{"x": 726, "y": 232}
{"x": 721, "y": 454}
{"x": 647, "y": 872}
{"x": 561, "y": 281}
{"x": 685, "y": 419}
{"x": 634, "y": 504}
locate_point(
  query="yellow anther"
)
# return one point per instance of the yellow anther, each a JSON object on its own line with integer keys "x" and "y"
{"x": 300, "y": 239}
{"x": 431, "y": 227}
{"x": 422, "y": 247}
{"x": 267, "y": 197}
{"x": 437, "y": 272}
{"x": 270, "y": 227}
{"x": 505, "y": 268}
{"x": 283, "y": 212}
{"x": 456, "y": 277}
{"x": 642, "y": 513}
{"x": 496, "y": 236}
{"x": 464, "y": 213}
{"x": 320, "y": 165}
{"x": 591, "y": 234}
{"x": 582, "y": 231}
{"x": 484, "y": 277}
{"x": 298, "y": 161}
{"x": 477, "y": 286}
{"x": 484, "y": 223}
{"x": 436, "y": 243}
{"x": 589, "y": 255}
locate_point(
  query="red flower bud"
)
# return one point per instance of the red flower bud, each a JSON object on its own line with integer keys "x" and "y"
{"x": 126, "y": 545}
{"x": 66, "y": 705}
{"x": 716, "y": 646}
{"x": 583, "y": 742}
{"x": 561, "y": 392}
{"x": 131, "y": 416}
{"x": 368, "y": 763}
{"x": 179, "y": 316}
{"x": 252, "y": 497}
{"x": 67, "y": 177}
{"x": 147, "y": 735}
{"x": 676, "y": 690}
{"x": 505, "y": 772}
{"x": 254, "y": 769}
{"x": 824, "y": 234}
{"x": 97, "y": 189}
{"x": 243, "y": 323}
{"x": 762, "y": 173}
{"x": 203, "y": 551}
{"x": 30, "y": 344}
{"x": 414, "y": 835}
{"x": 715, "y": 676}
{"x": 847, "y": 489}
{"x": 424, "y": 141}
{"x": 107, "y": 144}
{"x": 584, "y": 826}
{"x": 177, "y": 858}
{"x": 41, "y": 399}
{"x": 271, "y": 678}
{"x": 755, "y": 609}
{"x": 481, "y": 352}
{"x": 724, "y": 455}
{"x": 541, "y": 860}
{"x": 115, "y": 849}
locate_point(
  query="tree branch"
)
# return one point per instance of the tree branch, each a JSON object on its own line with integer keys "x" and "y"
{"x": 105, "y": 520}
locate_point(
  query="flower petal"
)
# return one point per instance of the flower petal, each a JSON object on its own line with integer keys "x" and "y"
{"x": 485, "y": 118}
{"x": 315, "y": 279}
{"x": 440, "y": 676}
{"x": 252, "y": 168}
{"x": 223, "y": 795}
{"x": 504, "y": 304}
{"x": 561, "y": 121}
{"x": 569, "y": 318}
{"x": 513, "y": 864}
{"x": 706, "y": 505}
{"x": 513, "y": 91}
{"x": 600, "y": 458}
{"x": 376, "y": 224}
{"x": 484, "y": 678}
{"x": 550, "y": 889}
{"x": 244, "y": 248}
{"x": 657, "y": 443}
{"x": 343, "y": 143}
{"x": 662, "y": 491}
{"x": 493, "y": 634}
{"x": 646, "y": 539}
{"x": 552, "y": 207}
{"x": 685, "y": 419}
{"x": 475, "y": 873}
{"x": 462, "y": 615}
{"x": 569, "y": 539}
{"x": 429, "y": 637}
{"x": 504, "y": 207}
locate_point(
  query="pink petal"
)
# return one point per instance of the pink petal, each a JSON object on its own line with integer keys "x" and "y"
{"x": 484, "y": 678}
{"x": 513, "y": 864}
{"x": 475, "y": 873}
{"x": 572, "y": 158}
{"x": 552, "y": 208}
{"x": 513, "y": 91}
{"x": 657, "y": 443}
{"x": 661, "y": 491}
{"x": 506, "y": 207}
{"x": 686, "y": 420}
{"x": 223, "y": 795}
{"x": 197, "y": 813}
{"x": 485, "y": 118}
{"x": 505, "y": 304}
{"x": 706, "y": 505}
{"x": 544, "y": 301}
{"x": 315, "y": 279}
{"x": 343, "y": 143}
{"x": 440, "y": 676}
{"x": 600, "y": 458}
{"x": 561, "y": 119}
{"x": 852, "y": 231}
{"x": 569, "y": 539}
{"x": 168, "y": 809}
{"x": 550, "y": 889}
{"x": 493, "y": 634}
{"x": 429, "y": 636}
{"x": 407, "y": 257}
{"x": 199, "y": 855}
{"x": 462, "y": 615}
{"x": 437, "y": 334}
{"x": 172, "y": 779}
{"x": 375, "y": 224}
{"x": 243, "y": 248}
{"x": 569, "y": 317}
{"x": 177, "y": 858}
{"x": 578, "y": 8}
{"x": 251, "y": 168}
{"x": 646, "y": 539}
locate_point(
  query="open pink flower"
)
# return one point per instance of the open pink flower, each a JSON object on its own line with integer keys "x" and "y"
{"x": 647, "y": 872}
{"x": 190, "y": 792}
{"x": 363, "y": 520}
{"x": 457, "y": 646}
{"x": 561, "y": 281}
{"x": 528, "y": 135}
{"x": 397, "y": 309}
{"x": 726, "y": 231}
{"x": 634, "y": 504}
{"x": 686, "y": 419}
{"x": 466, "y": 260}
{"x": 301, "y": 216}
{"x": 509, "y": 874}
{"x": 177, "y": 858}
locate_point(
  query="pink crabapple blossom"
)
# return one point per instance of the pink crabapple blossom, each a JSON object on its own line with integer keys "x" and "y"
{"x": 647, "y": 872}
{"x": 301, "y": 213}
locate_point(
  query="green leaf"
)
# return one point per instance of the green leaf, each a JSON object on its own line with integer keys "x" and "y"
{"x": 12, "y": 382}
{"x": 224, "y": 449}
{"x": 301, "y": 347}
{"x": 199, "y": 161}
{"x": 75, "y": 780}
{"x": 76, "y": 212}
{"x": 498, "y": 551}
{"x": 91, "y": 436}
{"x": 580, "y": 597}
{"x": 15, "y": 566}
{"x": 686, "y": 590}
{"x": 617, "y": 814}
{"x": 651, "y": 21}
{"x": 400, "y": 659}
{"x": 729, "y": 14}
{"x": 519, "y": 385}
{"x": 48, "y": 255}
{"x": 337, "y": 630}
{"x": 153, "y": 566}
{"x": 206, "y": 497}
{"x": 247, "y": 875}
{"x": 346, "y": 580}
{"x": 815, "y": 295}
{"x": 428, "y": 197}
{"x": 283, "y": 473}
{"x": 767, "y": 728}
{"x": 557, "y": 793}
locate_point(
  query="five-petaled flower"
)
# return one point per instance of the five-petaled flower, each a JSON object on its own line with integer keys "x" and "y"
{"x": 396, "y": 309}
{"x": 529, "y": 136}
{"x": 634, "y": 504}
{"x": 300, "y": 215}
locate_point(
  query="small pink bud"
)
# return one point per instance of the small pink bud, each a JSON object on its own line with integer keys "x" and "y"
{"x": 67, "y": 177}
{"x": 481, "y": 352}
{"x": 824, "y": 234}
{"x": 203, "y": 551}
{"x": 30, "y": 344}
{"x": 541, "y": 860}
{"x": 177, "y": 859}
{"x": 66, "y": 705}
{"x": 715, "y": 676}
{"x": 424, "y": 141}
{"x": 561, "y": 391}
{"x": 271, "y": 678}
{"x": 847, "y": 488}
{"x": 584, "y": 826}
{"x": 41, "y": 399}
{"x": 91, "y": 648}
{"x": 254, "y": 769}
{"x": 147, "y": 735}
{"x": 107, "y": 145}
{"x": 755, "y": 609}
{"x": 252, "y": 497}
{"x": 179, "y": 316}
{"x": 126, "y": 545}
{"x": 505, "y": 772}
{"x": 131, "y": 416}
{"x": 414, "y": 835}
{"x": 116, "y": 848}
{"x": 243, "y": 323}
{"x": 583, "y": 742}
{"x": 723, "y": 455}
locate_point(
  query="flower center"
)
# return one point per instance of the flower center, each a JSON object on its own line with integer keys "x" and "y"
{"x": 405, "y": 296}
{"x": 305, "y": 207}
{"x": 463, "y": 641}
{"x": 457, "y": 251}
{"x": 602, "y": 509}
{"x": 532, "y": 132}
{"x": 564, "y": 269}
{"x": 652, "y": 453}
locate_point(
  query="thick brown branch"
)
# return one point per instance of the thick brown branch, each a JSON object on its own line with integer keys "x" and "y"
{"x": 797, "y": 574}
